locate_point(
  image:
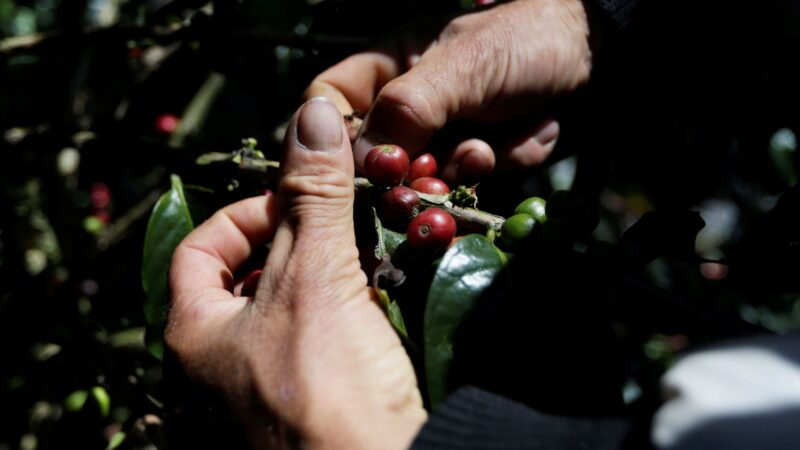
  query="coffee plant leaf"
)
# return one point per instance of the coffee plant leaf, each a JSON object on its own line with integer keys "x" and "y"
{"x": 169, "y": 223}
{"x": 467, "y": 269}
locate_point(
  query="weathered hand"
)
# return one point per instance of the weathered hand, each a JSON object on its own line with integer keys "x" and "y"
{"x": 311, "y": 355}
{"x": 497, "y": 67}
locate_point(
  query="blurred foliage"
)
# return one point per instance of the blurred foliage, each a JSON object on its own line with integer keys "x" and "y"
{"x": 703, "y": 122}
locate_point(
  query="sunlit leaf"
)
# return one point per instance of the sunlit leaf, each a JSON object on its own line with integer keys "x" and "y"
{"x": 76, "y": 400}
{"x": 169, "y": 223}
{"x": 393, "y": 312}
{"x": 103, "y": 400}
{"x": 465, "y": 272}
{"x": 116, "y": 440}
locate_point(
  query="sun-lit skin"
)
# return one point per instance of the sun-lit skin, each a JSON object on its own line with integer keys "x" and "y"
{"x": 497, "y": 68}
{"x": 311, "y": 355}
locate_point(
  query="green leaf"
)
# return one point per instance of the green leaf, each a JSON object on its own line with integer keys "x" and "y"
{"x": 76, "y": 400}
{"x": 393, "y": 312}
{"x": 154, "y": 341}
{"x": 103, "y": 400}
{"x": 396, "y": 318}
{"x": 116, "y": 440}
{"x": 392, "y": 240}
{"x": 131, "y": 338}
{"x": 388, "y": 240}
{"x": 213, "y": 157}
{"x": 169, "y": 223}
{"x": 465, "y": 272}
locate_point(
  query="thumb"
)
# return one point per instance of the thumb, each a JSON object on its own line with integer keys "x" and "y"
{"x": 315, "y": 246}
{"x": 316, "y": 185}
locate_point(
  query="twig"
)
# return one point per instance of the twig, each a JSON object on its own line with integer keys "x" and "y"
{"x": 196, "y": 112}
{"x": 476, "y": 219}
{"x": 21, "y": 44}
{"x": 119, "y": 228}
{"x": 471, "y": 218}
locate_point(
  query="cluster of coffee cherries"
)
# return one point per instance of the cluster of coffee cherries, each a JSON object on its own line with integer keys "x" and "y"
{"x": 387, "y": 166}
{"x": 528, "y": 216}
{"x": 555, "y": 223}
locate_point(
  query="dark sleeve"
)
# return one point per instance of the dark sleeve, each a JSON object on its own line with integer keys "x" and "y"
{"x": 475, "y": 419}
{"x": 619, "y": 12}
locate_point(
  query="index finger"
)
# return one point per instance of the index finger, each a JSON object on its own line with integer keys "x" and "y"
{"x": 353, "y": 83}
{"x": 204, "y": 263}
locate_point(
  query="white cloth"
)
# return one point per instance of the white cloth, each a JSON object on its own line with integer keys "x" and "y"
{"x": 752, "y": 378}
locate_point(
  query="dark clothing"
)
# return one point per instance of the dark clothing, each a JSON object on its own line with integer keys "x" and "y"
{"x": 686, "y": 66}
{"x": 472, "y": 418}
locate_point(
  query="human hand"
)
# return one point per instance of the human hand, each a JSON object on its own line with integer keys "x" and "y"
{"x": 501, "y": 65}
{"x": 311, "y": 355}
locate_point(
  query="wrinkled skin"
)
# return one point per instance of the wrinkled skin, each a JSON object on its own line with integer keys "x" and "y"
{"x": 311, "y": 356}
{"x": 312, "y": 347}
{"x": 497, "y": 68}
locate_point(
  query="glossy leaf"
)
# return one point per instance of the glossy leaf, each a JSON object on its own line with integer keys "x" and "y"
{"x": 388, "y": 240}
{"x": 392, "y": 240}
{"x": 465, "y": 272}
{"x": 169, "y": 223}
{"x": 393, "y": 313}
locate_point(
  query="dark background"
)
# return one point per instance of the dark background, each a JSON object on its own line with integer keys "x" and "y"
{"x": 690, "y": 108}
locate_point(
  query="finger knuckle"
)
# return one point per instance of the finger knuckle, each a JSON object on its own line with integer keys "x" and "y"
{"x": 324, "y": 184}
{"x": 413, "y": 101}
{"x": 324, "y": 194}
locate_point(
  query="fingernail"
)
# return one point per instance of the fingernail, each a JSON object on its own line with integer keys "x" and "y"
{"x": 319, "y": 125}
{"x": 547, "y": 133}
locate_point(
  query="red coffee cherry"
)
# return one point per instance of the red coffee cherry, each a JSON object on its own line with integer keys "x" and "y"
{"x": 100, "y": 195}
{"x": 386, "y": 165}
{"x": 431, "y": 230}
{"x": 430, "y": 185}
{"x": 423, "y": 166}
{"x": 399, "y": 203}
{"x": 167, "y": 123}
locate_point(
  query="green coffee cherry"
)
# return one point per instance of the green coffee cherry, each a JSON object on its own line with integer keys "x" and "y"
{"x": 516, "y": 230}
{"x": 534, "y": 207}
